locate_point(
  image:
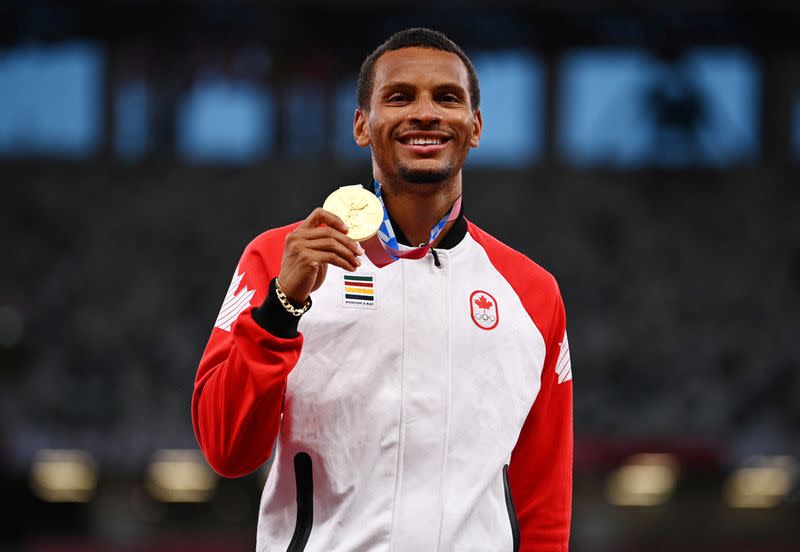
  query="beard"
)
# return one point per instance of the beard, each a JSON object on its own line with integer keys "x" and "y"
{"x": 426, "y": 176}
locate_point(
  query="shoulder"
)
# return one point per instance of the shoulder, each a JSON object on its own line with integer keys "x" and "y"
{"x": 272, "y": 238}
{"x": 514, "y": 265}
{"x": 536, "y": 288}
{"x": 268, "y": 246}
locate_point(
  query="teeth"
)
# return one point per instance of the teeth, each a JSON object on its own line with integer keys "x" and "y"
{"x": 424, "y": 141}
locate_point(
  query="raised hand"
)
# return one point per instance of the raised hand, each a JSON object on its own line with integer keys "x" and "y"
{"x": 320, "y": 240}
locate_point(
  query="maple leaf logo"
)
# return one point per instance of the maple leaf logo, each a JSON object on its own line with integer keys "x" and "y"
{"x": 234, "y": 303}
{"x": 483, "y": 302}
{"x": 483, "y": 309}
{"x": 564, "y": 364}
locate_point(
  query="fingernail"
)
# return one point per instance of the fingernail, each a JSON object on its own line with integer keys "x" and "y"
{"x": 358, "y": 261}
{"x": 360, "y": 250}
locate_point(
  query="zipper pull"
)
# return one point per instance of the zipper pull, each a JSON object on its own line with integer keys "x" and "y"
{"x": 435, "y": 258}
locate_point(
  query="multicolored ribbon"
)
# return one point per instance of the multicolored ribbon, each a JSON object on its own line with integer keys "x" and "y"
{"x": 384, "y": 248}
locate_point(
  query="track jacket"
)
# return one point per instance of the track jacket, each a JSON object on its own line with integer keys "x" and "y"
{"x": 424, "y": 406}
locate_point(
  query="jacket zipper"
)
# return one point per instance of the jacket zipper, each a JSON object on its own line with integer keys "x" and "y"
{"x": 305, "y": 502}
{"x": 512, "y": 514}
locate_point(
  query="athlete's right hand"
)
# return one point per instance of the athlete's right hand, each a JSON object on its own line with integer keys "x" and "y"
{"x": 320, "y": 240}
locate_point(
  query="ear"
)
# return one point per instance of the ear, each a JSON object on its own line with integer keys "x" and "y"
{"x": 475, "y": 138}
{"x": 360, "y": 128}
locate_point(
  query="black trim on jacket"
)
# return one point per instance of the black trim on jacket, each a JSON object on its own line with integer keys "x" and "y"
{"x": 512, "y": 513}
{"x": 274, "y": 318}
{"x": 305, "y": 502}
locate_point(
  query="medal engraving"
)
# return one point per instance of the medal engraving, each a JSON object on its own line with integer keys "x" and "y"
{"x": 360, "y": 210}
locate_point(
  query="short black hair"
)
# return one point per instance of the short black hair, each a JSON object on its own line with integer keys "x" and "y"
{"x": 417, "y": 37}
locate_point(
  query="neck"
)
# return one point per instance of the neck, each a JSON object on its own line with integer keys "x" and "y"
{"x": 416, "y": 208}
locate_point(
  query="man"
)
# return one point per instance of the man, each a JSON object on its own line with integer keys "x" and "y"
{"x": 425, "y": 405}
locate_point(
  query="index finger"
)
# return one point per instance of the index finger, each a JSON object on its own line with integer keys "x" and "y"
{"x": 320, "y": 216}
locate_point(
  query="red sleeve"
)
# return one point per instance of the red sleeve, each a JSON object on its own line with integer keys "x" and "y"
{"x": 241, "y": 379}
{"x": 540, "y": 472}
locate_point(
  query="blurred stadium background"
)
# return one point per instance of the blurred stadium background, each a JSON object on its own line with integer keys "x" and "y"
{"x": 648, "y": 156}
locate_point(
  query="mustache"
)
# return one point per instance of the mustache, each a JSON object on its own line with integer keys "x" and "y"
{"x": 434, "y": 126}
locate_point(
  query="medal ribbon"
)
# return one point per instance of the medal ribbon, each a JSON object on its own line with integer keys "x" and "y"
{"x": 384, "y": 248}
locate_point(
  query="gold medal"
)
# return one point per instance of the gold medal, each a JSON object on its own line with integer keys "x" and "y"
{"x": 360, "y": 210}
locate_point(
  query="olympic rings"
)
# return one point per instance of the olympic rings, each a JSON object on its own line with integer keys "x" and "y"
{"x": 485, "y": 317}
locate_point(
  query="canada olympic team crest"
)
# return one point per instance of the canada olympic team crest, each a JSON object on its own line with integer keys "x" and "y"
{"x": 483, "y": 308}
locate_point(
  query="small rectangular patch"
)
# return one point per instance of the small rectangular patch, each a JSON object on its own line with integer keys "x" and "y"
{"x": 359, "y": 291}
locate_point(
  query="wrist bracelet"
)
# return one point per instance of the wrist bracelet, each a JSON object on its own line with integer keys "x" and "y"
{"x": 294, "y": 311}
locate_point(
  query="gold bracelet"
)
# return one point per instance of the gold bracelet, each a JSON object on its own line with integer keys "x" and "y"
{"x": 285, "y": 301}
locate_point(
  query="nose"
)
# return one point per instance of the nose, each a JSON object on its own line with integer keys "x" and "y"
{"x": 425, "y": 111}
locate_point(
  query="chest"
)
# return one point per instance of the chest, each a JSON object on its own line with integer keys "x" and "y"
{"x": 458, "y": 330}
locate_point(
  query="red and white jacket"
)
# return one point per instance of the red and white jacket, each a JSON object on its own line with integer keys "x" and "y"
{"x": 422, "y": 406}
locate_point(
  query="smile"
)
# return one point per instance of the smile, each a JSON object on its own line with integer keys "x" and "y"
{"x": 425, "y": 143}
{"x": 414, "y": 141}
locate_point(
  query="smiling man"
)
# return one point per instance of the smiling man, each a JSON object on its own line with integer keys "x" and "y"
{"x": 424, "y": 402}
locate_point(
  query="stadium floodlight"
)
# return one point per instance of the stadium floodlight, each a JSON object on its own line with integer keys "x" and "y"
{"x": 176, "y": 475}
{"x": 761, "y": 482}
{"x": 60, "y": 475}
{"x": 643, "y": 480}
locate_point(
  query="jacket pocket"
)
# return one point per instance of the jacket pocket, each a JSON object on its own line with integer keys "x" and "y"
{"x": 512, "y": 514}
{"x": 305, "y": 502}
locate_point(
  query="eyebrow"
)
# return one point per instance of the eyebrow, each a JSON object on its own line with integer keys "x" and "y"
{"x": 407, "y": 85}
